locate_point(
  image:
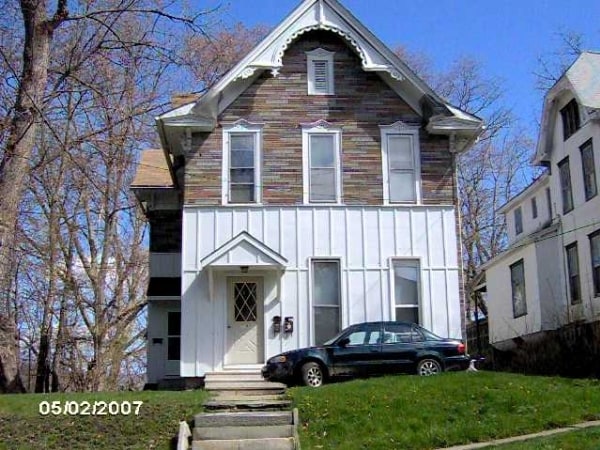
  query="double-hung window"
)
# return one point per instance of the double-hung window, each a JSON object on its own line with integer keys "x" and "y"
{"x": 573, "y": 269}
{"x": 595, "y": 251}
{"x": 326, "y": 299}
{"x": 517, "y": 281}
{"x": 321, "y": 161}
{"x": 320, "y": 72}
{"x": 589, "y": 170}
{"x": 406, "y": 285}
{"x": 565, "y": 185}
{"x": 518, "y": 221}
{"x": 241, "y": 163}
{"x": 534, "y": 210}
{"x": 400, "y": 159}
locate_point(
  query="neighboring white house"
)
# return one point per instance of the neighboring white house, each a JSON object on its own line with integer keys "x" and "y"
{"x": 550, "y": 274}
{"x": 311, "y": 188}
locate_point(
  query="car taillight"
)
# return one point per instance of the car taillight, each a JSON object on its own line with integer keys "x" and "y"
{"x": 461, "y": 348}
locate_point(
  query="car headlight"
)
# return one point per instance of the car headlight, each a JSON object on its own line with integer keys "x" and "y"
{"x": 278, "y": 359}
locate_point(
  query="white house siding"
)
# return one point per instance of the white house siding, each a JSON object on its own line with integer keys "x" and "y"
{"x": 364, "y": 239}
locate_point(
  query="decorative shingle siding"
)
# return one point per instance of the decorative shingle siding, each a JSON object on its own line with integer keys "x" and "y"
{"x": 361, "y": 103}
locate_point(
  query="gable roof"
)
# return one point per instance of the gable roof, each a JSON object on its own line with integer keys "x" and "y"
{"x": 375, "y": 56}
{"x": 582, "y": 81}
{"x": 244, "y": 250}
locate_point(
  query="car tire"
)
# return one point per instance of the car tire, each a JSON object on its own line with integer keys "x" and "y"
{"x": 312, "y": 374}
{"x": 428, "y": 367}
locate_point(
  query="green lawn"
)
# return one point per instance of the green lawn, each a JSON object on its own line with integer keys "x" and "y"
{"x": 408, "y": 412}
{"x": 575, "y": 440}
{"x": 23, "y": 427}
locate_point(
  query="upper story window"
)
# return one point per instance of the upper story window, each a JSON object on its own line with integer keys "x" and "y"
{"x": 534, "y": 210}
{"x": 589, "y": 170}
{"x": 565, "y": 185}
{"x": 570, "y": 119}
{"x": 320, "y": 72}
{"x": 518, "y": 220}
{"x": 549, "y": 203}
{"x": 321, "y": 150}
{"x": 400, "y": 159}
{"x": 241, "y": 163}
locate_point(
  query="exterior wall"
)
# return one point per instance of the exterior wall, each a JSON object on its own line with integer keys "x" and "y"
{"x": 361, "y": 103}
{"x": 530, "y": 225}
{"x": 502, "y": 324}
{"x": 362, "y": 238}
{"x": 157, "y": 368}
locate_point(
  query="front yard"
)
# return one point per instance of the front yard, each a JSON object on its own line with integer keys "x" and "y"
{"x": 408, "y": 412}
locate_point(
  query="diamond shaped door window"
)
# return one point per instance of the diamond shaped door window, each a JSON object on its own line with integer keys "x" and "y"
{"x": 244, "y": 295}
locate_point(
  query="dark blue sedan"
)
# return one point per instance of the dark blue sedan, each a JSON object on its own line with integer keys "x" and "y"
{"x": 372, "y": 348}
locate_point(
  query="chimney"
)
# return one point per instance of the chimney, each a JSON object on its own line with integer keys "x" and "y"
{"x": 181, "y": 99}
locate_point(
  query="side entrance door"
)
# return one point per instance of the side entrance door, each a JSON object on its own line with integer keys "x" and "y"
{"x": 245, "y": 321}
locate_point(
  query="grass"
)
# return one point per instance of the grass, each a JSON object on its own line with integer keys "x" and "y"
{"x": 575, "y": 440}
{"x": 408, "y": 412}
{"x": 22, "y": 426}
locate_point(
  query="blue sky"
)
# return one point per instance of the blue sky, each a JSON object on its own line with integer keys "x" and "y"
{"x": 507, "y": 36}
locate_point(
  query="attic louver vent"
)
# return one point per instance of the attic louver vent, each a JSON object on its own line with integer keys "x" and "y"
{"x": 320, "y": 72}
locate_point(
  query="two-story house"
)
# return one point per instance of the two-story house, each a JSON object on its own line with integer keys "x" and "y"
{"x": 311, "y": 188}
{"x": 550, "y": 274}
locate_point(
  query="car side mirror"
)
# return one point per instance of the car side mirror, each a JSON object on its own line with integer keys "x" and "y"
{"x": 344, "y": 342}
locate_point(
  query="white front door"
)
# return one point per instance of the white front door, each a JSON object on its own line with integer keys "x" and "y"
{"x": 245, "y": 321}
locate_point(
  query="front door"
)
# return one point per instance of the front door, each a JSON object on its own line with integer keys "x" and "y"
{"x": 245, "y": 321}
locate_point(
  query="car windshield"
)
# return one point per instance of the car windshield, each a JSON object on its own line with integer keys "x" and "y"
{"x": 337, "y": 336}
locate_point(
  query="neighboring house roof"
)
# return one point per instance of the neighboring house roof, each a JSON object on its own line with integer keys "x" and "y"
{"x": 536, "y": 184}
{"x": 329, "y": 15}
{"x": 153, "y": 171}
{"x": 582, "y": 79}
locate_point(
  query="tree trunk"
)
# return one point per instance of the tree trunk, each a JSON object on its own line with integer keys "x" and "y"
{"x": 13, "y": 168}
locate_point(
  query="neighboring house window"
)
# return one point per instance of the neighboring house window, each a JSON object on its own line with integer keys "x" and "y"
{"x": 517, "y": 281}
{"x": 518, "y": 220}
{"x": 406, "y": 290}
{"x": 241, "y": 163}
{"x": 549, "y": 201}
{"x": 589, "y": 170}
{"x": 400, "y": 158}
{"x": 595, "y": 251}
{"x": 534, "y": 211}
{"x": 573, "y": 269}
{"x": 173, "y": 335}
{"x": 565, "y": 185}
{"x": 320, "y": 72}
{"x": 321, "y": 161}
{"x": 570, "y": 119}
{"x": 326, "y": 296}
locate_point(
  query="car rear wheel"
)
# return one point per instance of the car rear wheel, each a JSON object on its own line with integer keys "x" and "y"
{"x": 428, "y": 367}
{"x": 312, "y": 374}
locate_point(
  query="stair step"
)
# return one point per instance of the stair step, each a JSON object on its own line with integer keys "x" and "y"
{"x": 243, "y": 419}
{"x": 227, "y": 396}
{"x": 233, "y": 376}
{"x": 250, "y": 432}
{"x": 248, "y": 403}
{"x": 245, "y": 444}
{"x": 252, "y": 387}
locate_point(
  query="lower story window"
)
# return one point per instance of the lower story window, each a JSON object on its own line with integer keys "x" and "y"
{"x": 326, "y": 299}
{"x": 573, "y": 269}
{"x": 406, "y": 290}
{"x": 173, "y": 335}
{"x": 595, "y": 250}
{"x": 517, "y": 281}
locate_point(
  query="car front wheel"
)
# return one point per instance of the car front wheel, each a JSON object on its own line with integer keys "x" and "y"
{"x": 312, "y": 374}
{"x": 428, "y": 367}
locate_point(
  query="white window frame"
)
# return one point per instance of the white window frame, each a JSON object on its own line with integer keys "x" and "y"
{"x": 242, "y": 127}
{"x": 400, "y": 128}
{"x": 320, "y": 54}
{"x": 408, "y": 262}
{"x": 340, "y": 306}
{"x": 324, "y": 128}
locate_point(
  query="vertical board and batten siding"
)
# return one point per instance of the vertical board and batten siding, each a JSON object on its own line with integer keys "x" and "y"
{"x": 362, "y": 238}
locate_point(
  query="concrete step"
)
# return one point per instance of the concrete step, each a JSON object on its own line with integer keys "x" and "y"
{"x": 243, "y": 419}
{"x": 226, "y": 396}
{"x": 251, "y": 387}
{"x": 251, "y": 432}
{"x": 237, "y": 375}
{"x": 246, "y": 444}
{"x": 249, "y": 403}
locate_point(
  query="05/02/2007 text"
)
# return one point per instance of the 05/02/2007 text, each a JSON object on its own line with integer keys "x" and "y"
{"x": 85, "y": 408}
